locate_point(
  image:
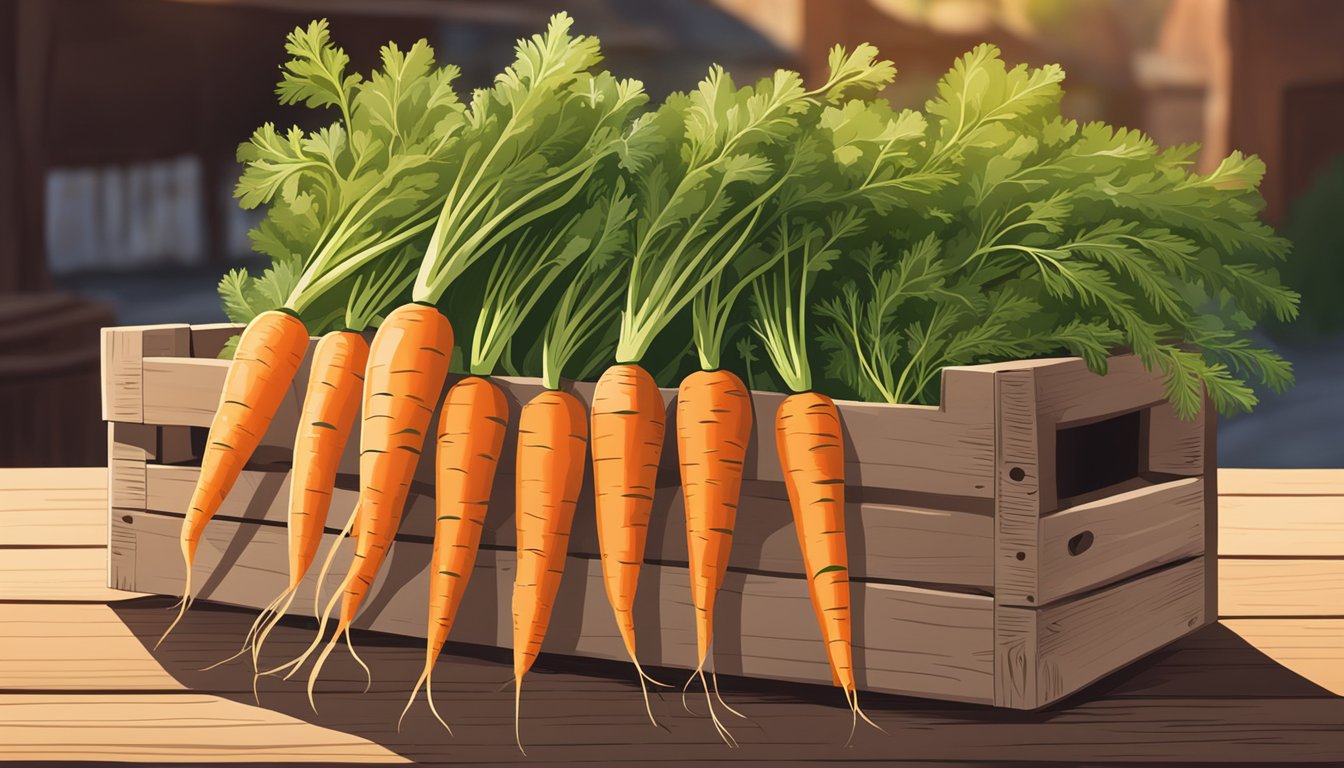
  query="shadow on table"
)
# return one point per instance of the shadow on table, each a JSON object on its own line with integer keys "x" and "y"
{"x": 583, "y": 710}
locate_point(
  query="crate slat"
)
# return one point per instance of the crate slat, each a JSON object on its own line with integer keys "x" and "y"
{"x": 1124, "y": 534}
{"x": 1081, "y": 640}
{"x": 893, "y": 543}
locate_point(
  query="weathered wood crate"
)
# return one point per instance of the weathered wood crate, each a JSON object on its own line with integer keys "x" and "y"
{"x": 1041, "y": 528}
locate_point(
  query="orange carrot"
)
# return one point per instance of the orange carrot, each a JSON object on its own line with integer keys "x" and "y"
{"x": 713, "y": 429}
{"x": 472, "y": 424}
{"x": 267, "y": 358}
{"x": 812, "y": 458}
{"x": 627, "y": 434}
{"x": 408, "y": 363}
{"x": 329, "y": 409}
{"x": 552, "y": 449}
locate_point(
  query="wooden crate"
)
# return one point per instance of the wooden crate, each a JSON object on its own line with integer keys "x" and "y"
{"x": 1041, "y": 528}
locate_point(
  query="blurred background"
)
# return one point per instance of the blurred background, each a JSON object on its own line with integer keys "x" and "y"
{"x": 119, "y": 120}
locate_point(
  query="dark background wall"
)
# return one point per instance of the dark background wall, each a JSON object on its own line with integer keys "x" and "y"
{"x": 119, "y": 120}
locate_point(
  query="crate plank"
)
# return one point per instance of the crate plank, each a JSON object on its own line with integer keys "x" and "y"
{"x": 1081, "y": 640}
{"x": 907, "y": 640}
{"x": 129, "y": 448}
{"x": 208, "y": 339}
{"x": 945, "y": 451}
{"x": 889, "y": 542}
{"x": 1128, "y": 533}
{"x": 1070, "y": 393}
{"x": 1280, "y": 482}
{"x": 1297, "y": 587}
{"x": 1173, "y": 446}
{"x": 1289, "y": 526}
{"x": 73, "y": 574}
{"x": 74, "y": 646}
{"x": 124, "y": 349}
{"x": 169, "y": 728}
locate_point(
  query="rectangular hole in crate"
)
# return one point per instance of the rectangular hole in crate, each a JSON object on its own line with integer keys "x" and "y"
{"x": 1093, "y": 456}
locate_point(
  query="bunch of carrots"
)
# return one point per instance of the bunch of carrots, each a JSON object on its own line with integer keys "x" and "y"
{"x": 551, "y": 223}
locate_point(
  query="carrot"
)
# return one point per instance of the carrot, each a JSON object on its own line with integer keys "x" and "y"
{"x": 472, "y": 424}
{"x": 714, "y": 423}
{"x": 552, "y": 449}
{"x": 627, "y": 436}
{"x": 268, "y": 356}
{"x": 812, "y": 458}
{"x": 408, "y": 363}
{"x": 328, "y": 414}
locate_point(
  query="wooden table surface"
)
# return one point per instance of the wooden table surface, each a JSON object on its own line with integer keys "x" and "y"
{"x": 80, "y": 681}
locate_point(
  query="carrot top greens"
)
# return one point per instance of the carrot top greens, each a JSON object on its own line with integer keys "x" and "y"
{"x": 1052, "y": 236}
{"x": 722, "y": 155}
{"x": 531, "y": 144}
{"x": 894, "y": 242}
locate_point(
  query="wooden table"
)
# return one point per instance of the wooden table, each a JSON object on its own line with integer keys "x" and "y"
{"x": 80, "y": 681}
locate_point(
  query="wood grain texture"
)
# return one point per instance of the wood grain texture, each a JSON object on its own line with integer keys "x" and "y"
{"x": 907, "y": 640}
{"x": 83, "y": 647}
{"x": 129, "y": 448}
{"x": 1102, "y": 541}
{"x": 1211, "y": 698}
{"x": 67, "y": 509}
{"x": 56, "y": 574}
{"x": 1280, "y": 482}
{"x": 124, "y": 349}
{"x": 887, "y": 542}
{"x": 1297, "y": 587}
{"x": 1175, "y": 446}
{"x": 1082, "y": 640}
{"x": 1024, "y": 476}
{"x": 1284, "y": 526}
{"x": 155, "y": 728}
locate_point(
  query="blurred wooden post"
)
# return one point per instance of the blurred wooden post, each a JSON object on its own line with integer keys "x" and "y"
{"x": 25, "y": 36}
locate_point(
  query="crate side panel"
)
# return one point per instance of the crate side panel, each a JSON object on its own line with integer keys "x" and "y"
{"x": 123, "y": 350}
{"x": 910, "y": 641}
{"x": 1175, "y": 446}
{"x": 1104, "y": 541}
{"x": 916, "y": 449}
{"x": 1087, "y": 638}
{"x": 889, "y": 542}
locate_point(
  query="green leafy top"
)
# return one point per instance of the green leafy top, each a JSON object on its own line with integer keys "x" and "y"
{"x": 531, "y": 144}
{"x": 531, "y": 260}
{"x": 358, "y": 188}
{"x": 723, "y": 155}
{"x": 782, "y": 296}
{"x": 1052, "y": 236}
{"x": 582, "y": 321}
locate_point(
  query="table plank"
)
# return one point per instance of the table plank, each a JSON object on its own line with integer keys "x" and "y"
{"x": 76, "y": 574}
{"x": 1300, "y": 587}
{"x": 146, "y": 727}
{"x": 1311, "y": 648}
{"x": 1280, "y": 482}
{"x": 47, "y": 478}
{"x": 82, "y": 646}
{"x": 1294, "y": 526}
{"x": 1161, "y": 711}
